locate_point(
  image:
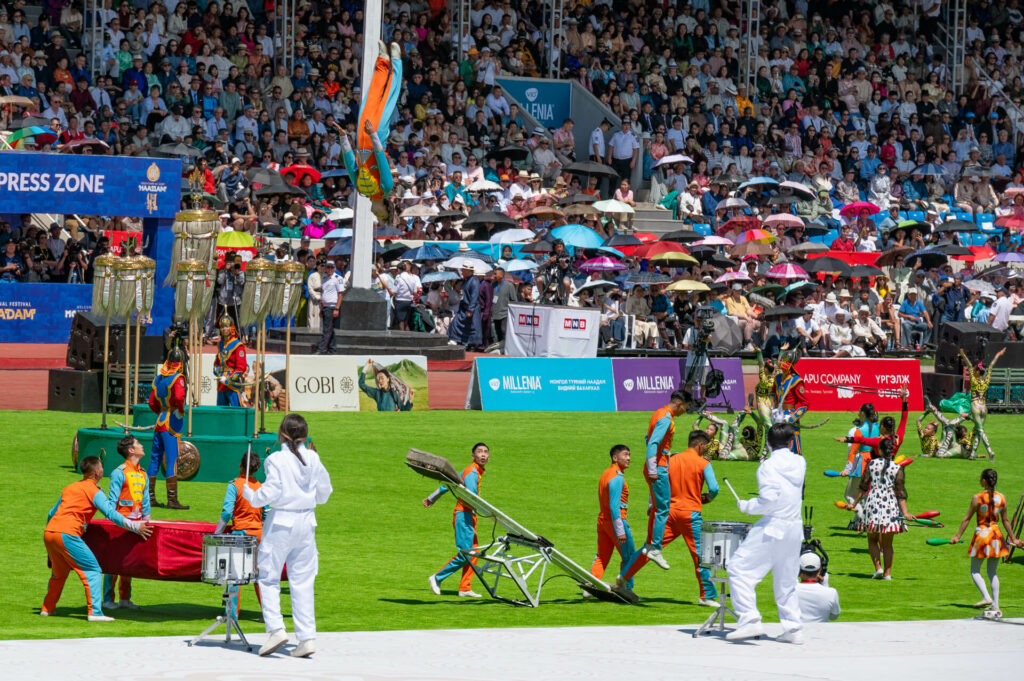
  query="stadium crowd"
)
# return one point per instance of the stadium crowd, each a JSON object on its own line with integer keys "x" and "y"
{"x": 850, "y": 102}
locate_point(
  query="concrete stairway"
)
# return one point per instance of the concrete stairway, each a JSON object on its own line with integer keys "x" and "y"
{"x": 650, "y": 219}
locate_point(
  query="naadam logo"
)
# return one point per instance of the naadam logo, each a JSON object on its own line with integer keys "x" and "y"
{"x": 494, "y": 383}
{"x": 531, "y": 94}
{"x": 153, "y": 173}
{"x": 628, "y": 384}
{"x": 14, "y": 313}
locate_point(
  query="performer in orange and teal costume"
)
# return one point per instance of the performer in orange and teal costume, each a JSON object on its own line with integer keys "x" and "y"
{"x": 229, "y": 367}
{"x": 464, "y": 520}
{"x": 660, "y": 430}
{"x": 612, "y": 527}
{"x": 129, "y": 493}
{"x": 367, "y": 165}
{"x": 237, "y": 515}
{"x": 65, "y": 548}
{"x": 790, "y": 402}
{"x": 167, "y": 400}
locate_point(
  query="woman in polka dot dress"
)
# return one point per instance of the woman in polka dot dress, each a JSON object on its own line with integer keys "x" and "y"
{"x": 988, "y": 543}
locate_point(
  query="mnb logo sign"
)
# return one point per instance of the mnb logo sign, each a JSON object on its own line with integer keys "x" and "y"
{"x": 573, "y": 324}
{"x": 529, "y": 320}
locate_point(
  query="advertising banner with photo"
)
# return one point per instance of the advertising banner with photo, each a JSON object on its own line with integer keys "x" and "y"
{"x": 40, "y": 313}
{"x": 832, "y": 384}
{"x": 542, "y": 384}
{"x": 551, "y": 331}
{"x": 332, "y": 383}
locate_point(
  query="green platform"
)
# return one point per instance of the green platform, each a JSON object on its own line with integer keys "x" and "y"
{"x": 221, "y": 434}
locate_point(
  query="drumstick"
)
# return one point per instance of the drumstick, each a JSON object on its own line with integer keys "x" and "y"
{"x": 726, "y": 481}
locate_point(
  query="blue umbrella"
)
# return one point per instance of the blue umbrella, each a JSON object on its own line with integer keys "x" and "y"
{"x": 344, "y": 247}
{"x": 520, "y": 266}
{"x": 612, "y": 251}
{"x": 578, "y": 235}
{"x": 340, "y": 233}
{"x": 431, "y": 277}
{"x": 929, "y": 169}
{"x": 755, "y": 181}
{"x": 339, "y": 172}
{"x": 427, "y": 252}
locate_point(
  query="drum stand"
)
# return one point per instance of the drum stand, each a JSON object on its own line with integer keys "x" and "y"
{"x": 229, "y": 618}
{"x": 719, "y": 613}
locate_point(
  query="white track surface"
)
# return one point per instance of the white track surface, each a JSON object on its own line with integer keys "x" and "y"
{"x": 930, "y": 651}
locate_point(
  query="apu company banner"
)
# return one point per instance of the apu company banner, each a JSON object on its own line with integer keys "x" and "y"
{"x": 40, "y": 313}
{"x": 845, "y": 384}
{"x": 547, "y": 101}
{"x": 86, "y": 185}
{"x": 545, "y": 384}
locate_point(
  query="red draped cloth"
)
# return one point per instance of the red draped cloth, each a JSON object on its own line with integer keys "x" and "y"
{"x": 174, "y": 552}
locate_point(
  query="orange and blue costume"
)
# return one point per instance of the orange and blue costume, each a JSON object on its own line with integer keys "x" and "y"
{"x": 660, "y": 431}
{"x": 688, "y": 472}
{"x": 67, "y": 552}
{"x": 988, "y": 540}
{"x": 129, "y": 494}
{"x": 791, "y": 403}
{"x": 238, "y": 516}
{"x": 613, "y": 497}
{"x": 229, "y": 367}
{"x": 167, "y": 400}
{"x": 464, "y": 521}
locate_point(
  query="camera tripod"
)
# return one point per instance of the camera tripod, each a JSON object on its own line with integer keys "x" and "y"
{"x": 229, "y": 618}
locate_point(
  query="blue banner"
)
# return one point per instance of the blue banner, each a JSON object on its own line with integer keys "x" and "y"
{"x": 547, "y": 101}
{"x": 545, "y": 384}
{"x": 125, "y": 186}
{"x": 40, "y": 313}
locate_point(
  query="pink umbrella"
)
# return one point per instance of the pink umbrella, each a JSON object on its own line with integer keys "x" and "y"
{"x": 857, "y": 206}
{"x": 787, "y": 271}
{"x": 755, "y": 235}
{"x": 732, "y": 276}
{"x": 602, "y": 264}
{"x": 713, "y": 241}
{"x": 783, "y": 220}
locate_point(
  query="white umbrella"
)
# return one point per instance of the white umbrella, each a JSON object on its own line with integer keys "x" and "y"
{"x": 418, "y": 211}
{"x": 484, "y": 186}
{"x": 518, "y": 265}
{"x": 613, "y": 206}
{"x": 596, "y": 286}
{"x": 340, "y": 214}
{"x": 672, "y": 159}
{"x": 798, "y": 187}
{"x": 458, "y": 262}
{"x": 512, "y": 236}
{"x": 732, "y": 203}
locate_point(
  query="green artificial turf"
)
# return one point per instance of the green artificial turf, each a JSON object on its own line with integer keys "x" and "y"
{"x": 378, "y": 544}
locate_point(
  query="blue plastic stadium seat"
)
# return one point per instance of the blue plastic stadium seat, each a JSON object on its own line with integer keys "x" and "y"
{"x": 963, "y": 215}
{"x": 904, "y": 215}
{"x": 878, "y": 217}
{"x": 916, "y": 215}
{"x": 987, "y": 221}
{"x": 702, "y": 229}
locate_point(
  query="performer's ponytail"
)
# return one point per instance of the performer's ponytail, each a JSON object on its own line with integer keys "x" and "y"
{"x": 294, "y": 432}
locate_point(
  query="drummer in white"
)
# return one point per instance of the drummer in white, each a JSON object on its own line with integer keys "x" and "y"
{"x": 773, "y": 543}
{"x": 296, "y": 482}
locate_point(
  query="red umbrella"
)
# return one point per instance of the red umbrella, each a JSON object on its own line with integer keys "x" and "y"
{"x": 739, "y": 223}
{"x": 300, "y": 170}
{"x": 1011, "y": 221}
{"x": 977, "y": 253}
{"x": 647, "y": 250}
{"x": 646, "y": 236}
{"x": 857, "y": 206}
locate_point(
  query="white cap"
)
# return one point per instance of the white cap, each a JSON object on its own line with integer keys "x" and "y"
{"x": 810, "y": 562}
{"x": 737, "y": 287}
{"x": 467, "y": 264}
{"x": 863, "y": 308}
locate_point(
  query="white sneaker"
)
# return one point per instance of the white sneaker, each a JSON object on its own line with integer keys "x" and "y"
{"x": 709, "y": 603}
{"x": 109, "y": 605}
{"x": 100, "y": 618}
{"x": 434, "y": 586}
{"x": 469, "y": 594}
{"x": 878, "y": 574}
{"x": 887, "y": 578}
{"x": 654, "y": 555}
{"x": 586, "y": 594}
{"x": 275, "y": 640}
{"x": 127, "y": 604}
{"x": 751, "y": 630}
{"x": 44, "y": 613}
{"x": 794, "y": 636}
{"x": 305, "y": 648}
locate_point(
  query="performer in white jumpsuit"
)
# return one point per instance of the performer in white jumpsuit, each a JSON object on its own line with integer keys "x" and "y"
{"x": 296, "y": 482}
{"x": 773, "y": 543}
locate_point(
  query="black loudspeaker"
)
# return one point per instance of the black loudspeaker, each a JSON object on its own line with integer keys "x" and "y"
{"x": 116, "y": 387}
{"x": 967, "y": 334}
{"x": 85, "y": 342}
{"x": 938, "y": 386}
{"x": 1013, "y": 359}
{"x": 74, "y": 390}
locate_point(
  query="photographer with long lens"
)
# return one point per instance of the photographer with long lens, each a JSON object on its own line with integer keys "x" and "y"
{"x": 818, "y": 601}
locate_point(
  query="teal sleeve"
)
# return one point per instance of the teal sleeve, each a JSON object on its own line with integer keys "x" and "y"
{"x": 53, "y": 511}
{"x": 370, "y": 392}
{"x": 472, "y": 482}
{"x": 349, "y": 159}
{"x": 660, "y": 428}
{"x": 437, "y": 493}
{"x": 110, "y": 511}
{"x": 146, "y": 509}
{"x": 712, "y": 482}
{"x": 116, "y": 482}
{"x": 387, "y": 182}
{"x": 227, "y": 511}
{"x": 615, "y": 496}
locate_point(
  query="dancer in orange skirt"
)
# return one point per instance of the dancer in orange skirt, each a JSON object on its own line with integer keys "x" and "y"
{"x": 988, "y": 544}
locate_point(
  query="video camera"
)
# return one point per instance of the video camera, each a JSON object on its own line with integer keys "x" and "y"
{"x": 809, "y": 545}
{"x": 704, "y": 325}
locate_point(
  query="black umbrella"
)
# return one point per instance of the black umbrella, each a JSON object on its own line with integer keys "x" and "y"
{"x": 826, "y": 264}
{"x": 866, "y": 271}
{"x": 623, "y": 240}
{"x": 783, "y": 200}
{"x": 591, "y": 168}
{"x": 703, "y": 253}
{"x": 489, "y": 216}
{"x": 953, "y": 249}
{"x": 977, "y": 171}
{"x": 577, "y": 198}
{"x": 957, "y": 226}
{"x": 538, "y": 247}
{"x": 783, "y": 312}
{"x": 727, "y": 337}
{"x": 513, "y": 152}
{"x": 928, "y": 258}
{"x": 394, "y": 251}
{"x": 177, "y": 149}
{"x": 280, "y": 190}
{"x": 648, "y": 278}
{"x": 719, "y": 260}
{"x": 813, "y": 229}
{"x": 264, "y": 176}
{"x": 453, "y": 214}
{"x": 681, "y": 235}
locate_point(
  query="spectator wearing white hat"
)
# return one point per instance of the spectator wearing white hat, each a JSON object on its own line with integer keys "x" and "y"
{"x": 866, "y": 331}
{"x": 818, "y": 601}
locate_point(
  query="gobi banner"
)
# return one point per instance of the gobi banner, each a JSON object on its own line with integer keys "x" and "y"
{"x": 545, "y": 384}
{"x": 69, "y": 184}
{"x": 845, "y": 384}
{"x": 644, "y": 384}
{"x": 40, "y": 313}
{"x": 547, "y": 101}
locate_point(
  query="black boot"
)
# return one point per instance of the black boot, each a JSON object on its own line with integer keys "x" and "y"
{"x": 152, "y": 494}
{"x": 172, "y": 495}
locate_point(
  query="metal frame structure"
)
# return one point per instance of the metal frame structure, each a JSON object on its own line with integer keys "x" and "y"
{"x": 752, "y": 17}
{"x": 954, "y": 35}
{"x": 92, "y": 28}
{"x": 284, "y": 33}
{"x": 555, "y": 12}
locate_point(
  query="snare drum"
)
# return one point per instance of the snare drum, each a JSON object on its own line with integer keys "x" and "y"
{"x": 719, "y": 540}
{"x": 229, "y": 558}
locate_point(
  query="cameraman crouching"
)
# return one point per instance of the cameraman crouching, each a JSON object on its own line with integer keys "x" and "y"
{"x": 818, "y": 601}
